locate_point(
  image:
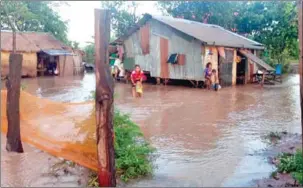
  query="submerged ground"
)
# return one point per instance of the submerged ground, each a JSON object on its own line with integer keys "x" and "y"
{"x": 203, "y": 138}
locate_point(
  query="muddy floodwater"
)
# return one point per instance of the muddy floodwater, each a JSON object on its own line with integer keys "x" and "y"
{"x": 203, "y": 138}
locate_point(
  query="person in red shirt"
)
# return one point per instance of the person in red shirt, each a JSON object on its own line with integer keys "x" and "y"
{"x": 136, "y": 78}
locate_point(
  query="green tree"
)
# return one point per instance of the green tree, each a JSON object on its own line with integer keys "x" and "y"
{"x": 123, "y": 15}
{"x": 220, "y": 13}
{"x": 89, "y": 56}
{"x": 74, "y": 44}
{"x": 272, "y": 23}
{"x": 37, "y": 16}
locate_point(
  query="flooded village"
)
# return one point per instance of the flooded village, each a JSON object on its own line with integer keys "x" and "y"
{"x": 219, "y": 105}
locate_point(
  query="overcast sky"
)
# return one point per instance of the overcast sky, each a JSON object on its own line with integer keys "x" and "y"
{"x": 81, "y": 17}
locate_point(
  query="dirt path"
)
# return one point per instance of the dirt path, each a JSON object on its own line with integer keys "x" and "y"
{"x": 35, "y": 168}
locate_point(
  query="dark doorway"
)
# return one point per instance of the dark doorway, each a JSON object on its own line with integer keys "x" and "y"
{"x": 47, "y": 64}
{"x": 241, "y": 69}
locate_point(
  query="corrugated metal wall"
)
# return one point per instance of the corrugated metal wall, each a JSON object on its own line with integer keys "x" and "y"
{"x": 182, "y": 44}
{"x": 178, "y": 43}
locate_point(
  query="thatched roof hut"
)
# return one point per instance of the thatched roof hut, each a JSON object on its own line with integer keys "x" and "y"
{"x": 32, "y": 43}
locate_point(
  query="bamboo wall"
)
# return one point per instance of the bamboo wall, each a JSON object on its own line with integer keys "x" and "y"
{"x": 66, "y": 65}
{"x": 29, "y": 64}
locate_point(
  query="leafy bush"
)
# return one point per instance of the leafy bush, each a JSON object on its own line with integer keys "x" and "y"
{"x": 132, "y": 152}
{"x": 292, "y": 164}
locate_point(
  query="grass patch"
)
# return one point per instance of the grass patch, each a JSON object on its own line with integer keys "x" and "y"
{"x": 293, "y": 164}
{"x": 274, "y": 137}
{"x": 132, "y": 152}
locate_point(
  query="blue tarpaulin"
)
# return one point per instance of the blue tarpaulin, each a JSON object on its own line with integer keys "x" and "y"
{"x": 57, "y": 52}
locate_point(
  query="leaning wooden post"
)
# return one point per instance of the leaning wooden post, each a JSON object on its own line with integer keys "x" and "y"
{"x": 104, "y": 102}
{"x": 300, "y": 26}
{"x": 13, "y": 84}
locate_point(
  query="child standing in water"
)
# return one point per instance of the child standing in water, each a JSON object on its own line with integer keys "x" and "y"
{"x": 207, "y": 72}
{"x": 136, "y": 79}
{"x": 215, "y": 80}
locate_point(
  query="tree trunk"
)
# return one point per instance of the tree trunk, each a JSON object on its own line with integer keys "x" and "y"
{"x": 104, "y": 102}
{"x": 12, "y": 107}
{"x": 300, "y": 26}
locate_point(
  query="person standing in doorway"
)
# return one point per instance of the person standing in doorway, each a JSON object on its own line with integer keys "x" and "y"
{"x": 208, "y": 72}
{"x": 214, "y": 80}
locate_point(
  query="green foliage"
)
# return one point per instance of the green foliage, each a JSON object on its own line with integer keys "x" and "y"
{"x": 93, "y": 180}
{"x": 89, "y": 53}
{"x": 74, "y": 44}
{"x": 132, "y": 152}
{"x": 220, "y": 13}
{"x": 123, "y": 15}
{"x": 292, "y": 164}
{"x": 37, "y": 16}
{"x": 273, "y": 24}
{"x": 23, "y": 86}
{"x": 274, "y": 135}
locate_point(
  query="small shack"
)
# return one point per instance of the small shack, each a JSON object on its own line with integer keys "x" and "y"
{"x": 42, "y": 54}
{"x": 174, "y": 48}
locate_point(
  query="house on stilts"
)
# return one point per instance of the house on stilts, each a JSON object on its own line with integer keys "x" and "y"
{"x": 156, "y": 40}
{"x": 42, "y": 54}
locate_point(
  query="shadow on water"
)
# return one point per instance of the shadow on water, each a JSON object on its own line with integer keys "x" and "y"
{"x": 203, "y": 138}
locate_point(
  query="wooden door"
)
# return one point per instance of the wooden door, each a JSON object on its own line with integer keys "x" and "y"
{"x": 226, "y": 68}
{"x": 251, "y": 71}
{"x": 164, "y": 57}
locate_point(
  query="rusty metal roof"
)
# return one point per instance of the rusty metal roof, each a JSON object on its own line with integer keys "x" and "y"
{"x": 257, "y": 60}
{"x": 207, "y": 33}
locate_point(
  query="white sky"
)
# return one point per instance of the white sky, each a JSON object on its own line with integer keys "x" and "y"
{"x": 81, "y": 17}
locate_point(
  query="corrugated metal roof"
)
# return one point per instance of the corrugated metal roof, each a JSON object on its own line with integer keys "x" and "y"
{"x": 257, "y": 60}
{"x": 207, "y": 33}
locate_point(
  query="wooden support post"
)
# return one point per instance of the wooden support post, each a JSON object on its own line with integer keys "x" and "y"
{"x": 300, "y": 27}
{"x": 12, "y": 106}
{"x": 158, "y": 80}
{"x": 104, "y": 101}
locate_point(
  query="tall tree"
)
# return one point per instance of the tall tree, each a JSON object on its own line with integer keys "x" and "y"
{"x": 123, "y": 14}
{"x": 37, "y": 16}
{"x": 220, "y": 13}
{"x": 89, "y": 53}
{"x": 271, "y": 23}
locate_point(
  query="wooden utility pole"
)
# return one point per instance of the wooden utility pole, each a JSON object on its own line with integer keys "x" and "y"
{"x": 300, "y": 26}
{"x": 104, "y": 102}
{"x": 13, "y": 84}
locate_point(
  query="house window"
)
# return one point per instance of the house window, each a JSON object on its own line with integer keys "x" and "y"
{"x": 173, "y": 59}
{"x": 176, "y": 59}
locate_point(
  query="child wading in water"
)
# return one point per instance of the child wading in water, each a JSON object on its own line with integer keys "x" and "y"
{"x": 215, "y": 80}
{"x": 136, "y": 79}
{"x": 208, "y": 73}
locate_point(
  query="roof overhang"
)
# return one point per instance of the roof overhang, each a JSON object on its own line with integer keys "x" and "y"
{"x": 257, "y": 60}
{"x": 255, "y": 45}
{"x": 57, "y": 52}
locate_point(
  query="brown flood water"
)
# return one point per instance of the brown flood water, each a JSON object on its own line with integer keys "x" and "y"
{"x": 203, "y": 138}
